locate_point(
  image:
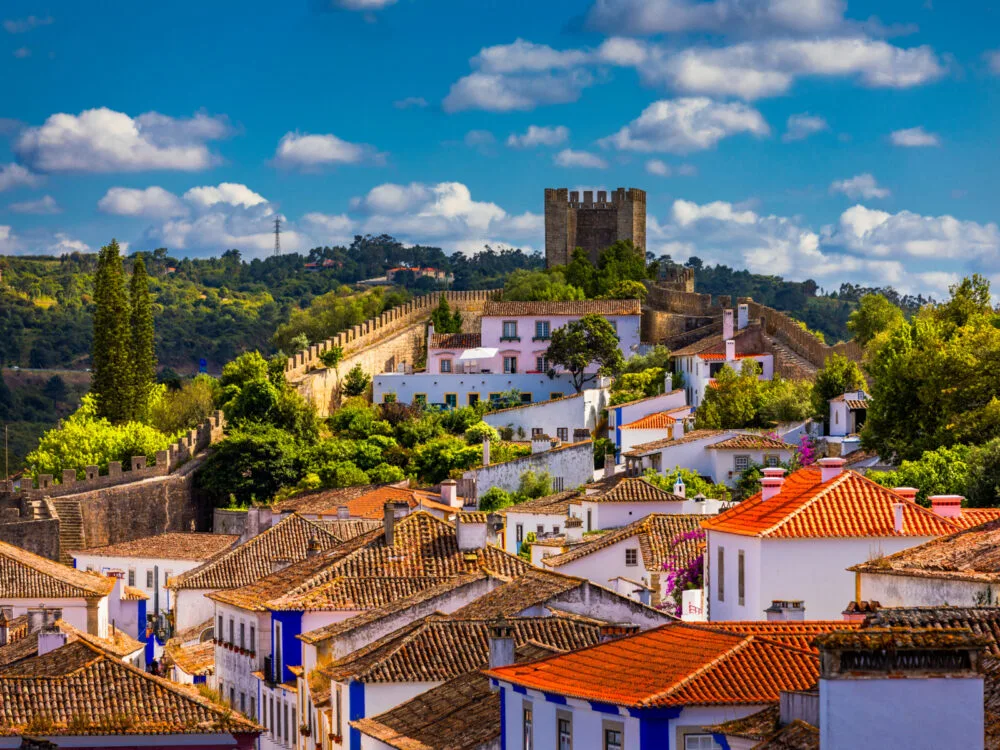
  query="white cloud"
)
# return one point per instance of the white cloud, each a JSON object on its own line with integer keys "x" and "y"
{"x": 363, "y": 5}
{"x": 63, "y": 243}
{"x": 310, "y": 152}
{"x": 522, "y": 56}
{"x": 8, "y": 240}
{"x": 647, "y": 17}
{"x": 493, "y": 92}
{"x": 410, "y": 102}
{"x": 860, "y": 186}
{"x": 45, "y": 205}
{"x": 391, "y": 198}
{"x": 687, "y": 124}
{"x": 153, "y": 202}
{"x": 229, "y": 193}
{"x": 993, "y": 60}
{"x": 539, "y": 135}
{"x": 330, "y": 229}
{"x": 801, "y": 126}
{"x": 581, "y": 159}
{"x": 658, "y": 167}
{"x": 22, "y": 25}
{"x": 102, "y": 140}
{"x": 14, "y": 175}
{"x": 914, "y": 138}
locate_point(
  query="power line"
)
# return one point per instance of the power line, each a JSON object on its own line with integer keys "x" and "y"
{"x": 277, "y": 236}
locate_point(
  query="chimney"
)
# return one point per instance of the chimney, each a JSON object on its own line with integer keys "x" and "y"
{"x": 677, "y": 429}
{"x": 4, "y": 628}
{"x": 41, "y": 618}
{"x": 486, "y": 451}
{"x": 574, "y": 529}
{"x": 771, "y": 482}
{"x": 609, "y": 464}
{"x": 613, "y": 631}
{"x": 312, "y": 549}
{"x": 907, "y": 493}
{"x": 470, "y": 531}
{"x": 391, "y": 513}
{"x": 727, "y": 324}
{"x": 947, "y": 506}
{"x": 501, "y": 644}
{"x": 742, "y": 316}
{"x": 730, "y": 350}
{"x": 897, "y": 517}
{"x": 449, "y": 493}
{"x": 343, "y": 512}
{"x": 679, "y": 488}
{"x": 785, "y": 610}
{"x": 49, "y": 639}
{"x": 540, "y": 443}
{"x": 830, "y": 468}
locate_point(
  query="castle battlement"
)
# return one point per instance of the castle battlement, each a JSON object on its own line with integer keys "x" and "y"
{"x": 592, "y": 223}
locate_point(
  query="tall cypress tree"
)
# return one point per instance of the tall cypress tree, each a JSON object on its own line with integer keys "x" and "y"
{"x": 111, "y": 360}
{"x": 143, "y": 347}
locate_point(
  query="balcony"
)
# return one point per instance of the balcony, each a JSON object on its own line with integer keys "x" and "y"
{"x": 510, "y": 338}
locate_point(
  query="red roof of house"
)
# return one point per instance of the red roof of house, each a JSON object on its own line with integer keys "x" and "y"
{"x": 715, "y": 357}
{"x": 659, "y": 420}
{"x": 673, "y": 665}
{"x": 849, "y": 505}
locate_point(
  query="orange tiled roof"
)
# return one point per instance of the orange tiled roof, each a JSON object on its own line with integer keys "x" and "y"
{"x": 976, "y": 517}
{"x": 655, "y": 421}
{"x": 368, "y": 505}
{"x": 713, "y": 357}
{"x": 750, "y": 441}
{"x": 196, "y": 659}
{"x": 789, "y": 633}
{"x": 24, "y": 645}
{"x": 655, "y": 445}
{"x": 25, "y": 575}
{"x": 673, "y": 665}
{"x": 169, "y": 546}
{"x": 456, "y": 340}
{"x": 132, "y": 594}
{"x": 624, "y": 489}
{"x": 570, "y": 307}
{"x": 849, "y": 505}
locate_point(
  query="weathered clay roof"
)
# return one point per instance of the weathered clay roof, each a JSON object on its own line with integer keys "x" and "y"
{"x": 655, "y": 445}
{"x": 24, "y": 645}
{"x": 625, "y": 489}
{"x": 197, "y": 659}
{"x": 25, "y": 575}
{"x": 796, "y": 735}
{"x": 902, "y": 639}
{"x": 456, "y": 340}
{"x": 170, "y": 546}
{"x": 367, "y": 506}
{"x": 568, "y": 307}
{"x": 984, "y": 621}
{"x": 555, "y": 505}
{"x": 757, "y": 726}
{"x": 512, "y": 598}
{"x": 751, "y": 441}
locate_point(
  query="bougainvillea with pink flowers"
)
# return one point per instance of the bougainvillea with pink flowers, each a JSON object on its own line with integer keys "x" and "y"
{"x": 683, "y": 571}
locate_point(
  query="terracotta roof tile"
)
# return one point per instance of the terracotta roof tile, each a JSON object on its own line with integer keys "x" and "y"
{"x": 286, "y": 540}
{"x": 984, "y": 621}
{"x": 534, "y": 404}
{"x": 748, "y": 340}
{"x": 788, "y": 633}
{"x": 510, "y": 599}
{"x": 673, "y": 665}
{"x": 625, "y": 489}
{"x": 655, "y": 446}
{"x": 849, "y": 505}
{"x": 555, "y": 505}
{"x": 975, "y": 517}
{"x": 656, "y": 533}
{"x": 24, "y": 575}
{"x": 757, "y": 726}
{"x": 657, "y": 421}
{"x": 573, "y": 307}
{"x": 719, "y": 357}
{"x": 81, "y": 683}
{"x": 196, "y": 660}
{"x": 797, "y": 735}
{"x": 442, "y": 648}
{"x": 350, "y": 594}
{"x": 169, "y": 546}
{"x": 368, "y": 505}
{"x": 456, "y": 340}
{"x": 24, "y": 645}
{"x": 750, "y": 441}
{"x": 132, "y": 594}
{"x": 902, "y": 639}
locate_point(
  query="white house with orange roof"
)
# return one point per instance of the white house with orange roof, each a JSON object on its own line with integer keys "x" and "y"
{"x": 794, "y": 541}
{"x": 662, "y": 412}
{"x": 701, "y": 361}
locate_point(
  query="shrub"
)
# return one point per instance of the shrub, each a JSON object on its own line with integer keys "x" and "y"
{"x": 479, "y": 432}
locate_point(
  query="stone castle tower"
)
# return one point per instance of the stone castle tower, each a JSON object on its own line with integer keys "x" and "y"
{"x": 593, "y": 225}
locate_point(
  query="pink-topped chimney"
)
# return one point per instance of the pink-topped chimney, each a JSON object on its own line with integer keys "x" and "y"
{"x": 947, "y": 506}
{"x": 907, "y": 493}
{"x": 771, "y": 482}
{"x": 831, "y": 467}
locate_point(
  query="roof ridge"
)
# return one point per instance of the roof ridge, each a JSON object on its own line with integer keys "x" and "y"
{"x": 830, "y": 485}
{"x": 908, "y": 502}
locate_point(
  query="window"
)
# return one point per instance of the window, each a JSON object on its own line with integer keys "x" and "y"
{"x": 771, "y": 461}
{"x": 740, "y": 577}
{"x": 495, "y": 396}
{"x": 541, "y": 329}
{"x": 337, "y": 709}
{"x": 541, "y": 364}
{"x": 525, "y": 398}
{"x": 555, "y": 530}
{"x": 528, "y": 733}
{"x": 243, "y": 703}
{"x": 509, "y": 330}
{"x": 720, "y": 576}
{"x": 253, "y": 638}
{"x": 131, "y": 576}
{"x": 536, "y": 432}
{"x": 631, "y": 557}
{"x": 451, "y": 400}
{"x": 558, "y": 484}
{"x": 445, "y": 365}
{"x": 614, "y": 737}
{"x": 232, "y": 631}
{"x": 519, "y": 533}
{"x": 554, "y": 395}
{"x": 562, "y": 433}
{"x": 222, "y": 633}
{"x": 590, "y": 514}
{"x": 253, "y": 708}
{"x": 741, "y": 463}
{"x": 420, "y": 398}
{"x": 278, "y": 671}
{"x": 150, "y": 583}
{"x": 473, "y": 399}
{"x": 700, "y": 742}
{"x": 243, "y": 633}
{"x": 564, "y": 730}
{"x": 232, "y": 696}
{"x": 540, "y": 529}
{"x": 509, "y": 365}
{"x": 284, "y": 720}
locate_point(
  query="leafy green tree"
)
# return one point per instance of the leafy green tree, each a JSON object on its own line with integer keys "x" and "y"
{"x": 983, "y": 487}
{"x": 342, "y": 474}
{"x": 621, "y": 262}
{"x": 385, "y": 474}
{"x": 632, "y": 386}
{"x": 734, "y": 400}
{"x": 495, "y": 499}
{"x": 591, "y": 340}
{"x": 838, "y": 376}
{"x": 444, "y": 319}
{"x": 55, "y": 389}
{"x": 785, "y": 401}
{"x": 6, "y": 399}
{"x": 627, "y": 289}
{"x": 178, "y": 410}
{"x": 581, "y": 273}
{"x": 524, "y": 551}
{"x": 943, "y": 471}
{"x": 332, "y": 357}
{"x": 435, "y": 460}
{"x": 252, "y": 463}
{"x": 657, "y": 357}
{"x": 357, "y": 382}
{"x": 693, "y": 482}
{"x": 358, "y": 420}
{"x": 523, "y": 285}
{"x": 143, "y": 349}
{"x": 533, "y": 485}
{"x": 111, "y": 382}
{"x": 479, "y": 432}
{"x": 874, "y": 315}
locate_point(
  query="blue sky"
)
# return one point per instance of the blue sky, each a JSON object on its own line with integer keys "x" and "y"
{"x": 810, "y": 138}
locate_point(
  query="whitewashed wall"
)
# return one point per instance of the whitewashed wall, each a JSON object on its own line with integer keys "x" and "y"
{"x": 575, "y": 464}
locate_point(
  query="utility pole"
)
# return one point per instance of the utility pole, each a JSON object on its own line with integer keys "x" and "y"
{"x": 277, "y": 236}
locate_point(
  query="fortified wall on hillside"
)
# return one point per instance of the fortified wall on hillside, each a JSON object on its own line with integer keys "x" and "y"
{"x": 395, "y": 339}
{"x": 53, "y": 518}
{"x": 593, "y": 224}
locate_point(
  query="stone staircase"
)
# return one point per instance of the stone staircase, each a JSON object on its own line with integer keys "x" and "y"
{"x": 70, "y": 527}
{"x": 788, "y": 364}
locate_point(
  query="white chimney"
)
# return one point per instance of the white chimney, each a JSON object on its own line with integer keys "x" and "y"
{"x": 574, "y": 529}
{"x": 742, "y": 316}
{"x": 540, "y": 443}
{"x": 679, "y": 488}
{"x": 470, "y": 531}
{"x": 49, "y": 639}
{"x": 783, "y": 610}
{"x": 486, "y": 451}
{"x": 907, "y": 493}
{"x": 343, "y": 512}
{"x": 727, "y": 324}
{"x": 501, "y": 644}
{"x": 831, "y": 467}
{"x": 947, "y": 506}
{"x": 771, "y": 482}
{"x": 677, "y": 429}
{"x": 449, "y": 493}
{"x": 730, "y": 350}
{"x": 897, "y": 517}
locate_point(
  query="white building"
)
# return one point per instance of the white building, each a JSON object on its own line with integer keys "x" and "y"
{"x": 468, "y": 389}
{"x": 568, "y": 418}
{"x": 701, "y": 361}
{"x": 621, "y": 416}
{"x": 847, "y": 413}
{"x": 795, "y": 540}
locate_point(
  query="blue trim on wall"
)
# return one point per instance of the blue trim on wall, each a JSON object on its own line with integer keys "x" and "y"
{"x": 721, "y": 740}
{"x": 503, "y": 718}
{"x": 618, "y": 432}
{"x": 291, "y": 646}
{"x": 654, "y": 733}
{"x": 356, "y": 695}
{"x": 604, "y": 708}
{"x": 520, "y": 689}
{"x": 554, "y": 698}
{"x": 200, "y": 679}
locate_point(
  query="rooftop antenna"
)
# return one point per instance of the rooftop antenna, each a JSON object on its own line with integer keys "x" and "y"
{"x": 277, "y": 236}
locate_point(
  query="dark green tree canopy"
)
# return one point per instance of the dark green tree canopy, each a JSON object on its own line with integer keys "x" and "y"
{"x": 591, "y": 340}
